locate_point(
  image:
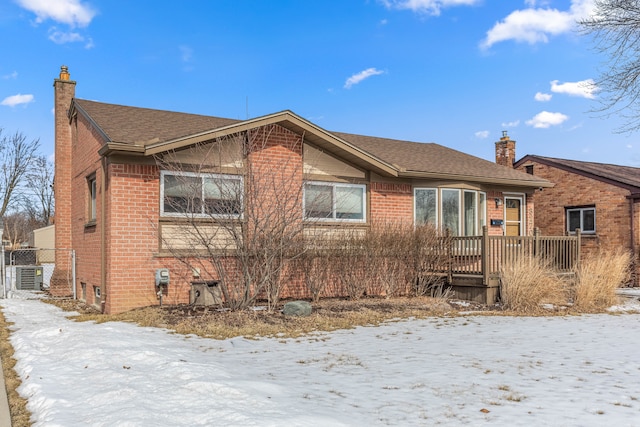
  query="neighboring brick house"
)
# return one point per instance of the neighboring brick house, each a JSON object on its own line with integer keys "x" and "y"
{"x": 599, "y": 199}
{"x": 120, "y": 208}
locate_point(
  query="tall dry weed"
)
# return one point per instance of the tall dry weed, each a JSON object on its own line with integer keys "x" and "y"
{"x": 597, "y": 278}
{"x": 528, "y": 283}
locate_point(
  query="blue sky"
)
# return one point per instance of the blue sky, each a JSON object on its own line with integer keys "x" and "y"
{"x": 454, "y": 72}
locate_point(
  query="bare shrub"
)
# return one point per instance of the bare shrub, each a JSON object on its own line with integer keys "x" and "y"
{"x": 427, "y": 261}
{"x": 350, "y": 256}
{"x": 387, "y": 244}
{"x": 527, "y": 283}
{"x": 597, "y": 278}
{"x": 236, "y": 202}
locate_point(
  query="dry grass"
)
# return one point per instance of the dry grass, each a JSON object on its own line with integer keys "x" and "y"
{"x": 597, "y": 278}
{"x": 328, "y": 315}
{"x": 528, "y": 283}
{"x": 20, "y": 416}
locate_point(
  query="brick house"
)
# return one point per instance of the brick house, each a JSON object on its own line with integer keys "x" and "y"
{"x": 121, "y": 206}
{"x": 602, "y": 200}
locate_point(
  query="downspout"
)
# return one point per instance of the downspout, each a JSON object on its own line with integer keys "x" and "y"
{"x": 103, "y": 236}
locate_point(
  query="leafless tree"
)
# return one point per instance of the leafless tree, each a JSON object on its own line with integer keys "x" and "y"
{"x": 236, "y": 202}
{"x": 38, "y": 199}
{"x": 615, "y": 26}
{"x": 16, "y": 160}
{"x": 17, "y": 228}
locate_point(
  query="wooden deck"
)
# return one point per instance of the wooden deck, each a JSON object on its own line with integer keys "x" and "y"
{"x": 473, "y": 263}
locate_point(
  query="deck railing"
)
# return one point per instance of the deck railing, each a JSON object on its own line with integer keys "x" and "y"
{"x": 483, "y": 256}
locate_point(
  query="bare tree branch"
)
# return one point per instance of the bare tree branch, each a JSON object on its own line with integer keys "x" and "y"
{"x": 16, "y": 158}
{"x": 615, "y": 26}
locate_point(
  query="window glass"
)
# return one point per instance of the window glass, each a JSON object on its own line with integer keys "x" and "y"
{"x": 222, "y": 196}
{"x": 349, "y": 202}
{"x": 470, "y": 213}
{"x": 451, "y": 210}
{"x": 426, "y": 206}
{"x": 582, "y": 218}
{"x": 589, "y": 220}
{"x": 482, "y": 209}
{"x": 201, "y": 195}
{"x": 318, "y": 201}
{"x": 334, "y": 201}
{"x": 92, "y": 199}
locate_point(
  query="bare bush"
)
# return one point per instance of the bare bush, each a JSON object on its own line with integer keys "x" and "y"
{"x": 597, "y": 278}
{"x": 529, "y": 282}
{"x": 236, "y": 201}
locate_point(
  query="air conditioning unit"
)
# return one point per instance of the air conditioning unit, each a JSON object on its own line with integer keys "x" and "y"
{"x": 29, "y": 277}
{"x": 205, "y": 293}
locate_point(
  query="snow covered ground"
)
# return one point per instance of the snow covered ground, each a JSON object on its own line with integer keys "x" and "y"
{"x": 471, "y": 370}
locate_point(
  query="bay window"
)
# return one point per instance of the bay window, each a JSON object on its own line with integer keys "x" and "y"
{"x": 463, "y": 212}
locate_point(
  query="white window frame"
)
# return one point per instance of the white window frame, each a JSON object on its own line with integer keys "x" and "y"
{"x": 582, "y": 210}
{"x": 92, "y": 210}
{"x": 415, "y": 191}
{"x": 202, "y": 176}
{"x": 480, "y": 208}
{"x": 523, "y": 210}
{"x": 335, "y": 186}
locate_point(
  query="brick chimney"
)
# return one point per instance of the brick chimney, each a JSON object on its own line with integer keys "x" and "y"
{"x": 64, "y": 92}
{"x": 505, "y": 150}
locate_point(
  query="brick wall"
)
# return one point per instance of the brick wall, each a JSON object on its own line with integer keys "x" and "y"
{"x": 572, "y": 190}
{"x": 64, "y": 91}
{"x": 391, "y": 202}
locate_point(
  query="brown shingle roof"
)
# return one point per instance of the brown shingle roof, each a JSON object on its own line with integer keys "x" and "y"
{"x": 433, "y": 158}
{"x": 626, "y": 176}
{"x": 143, "y": 127}
{"x": 139, "y": 126}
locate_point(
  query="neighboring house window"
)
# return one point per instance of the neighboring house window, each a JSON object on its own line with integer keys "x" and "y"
{"x": 582, "y": 218}
{"x": 462, "y": 212}
{"x": 334, "y": 201}
{"x": 91, "y": 205}
{"x": 529, "y": 169}
{"x": 200, "y": 195}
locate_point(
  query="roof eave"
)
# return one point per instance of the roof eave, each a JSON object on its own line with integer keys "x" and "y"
{"x": 283, "y": 118}
{"x": 486, "y": 180}
{"x": 112, "y": 148}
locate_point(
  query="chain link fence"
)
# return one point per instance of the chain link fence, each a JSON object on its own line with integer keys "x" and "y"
{"x": 32, "y": 269}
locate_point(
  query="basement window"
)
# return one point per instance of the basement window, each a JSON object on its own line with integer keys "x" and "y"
{"x": 582, "y": 218}
{"x": 334, "y": 201}
{"x": 200, "y": 195}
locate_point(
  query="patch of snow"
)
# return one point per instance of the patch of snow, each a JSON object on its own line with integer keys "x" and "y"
{"x": 472, "y": 370}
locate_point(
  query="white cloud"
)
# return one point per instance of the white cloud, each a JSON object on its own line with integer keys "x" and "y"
{"x": 13, "y": 76}
{"x": 12, "y": 101}
{"x": 545, "y": 119}
{"x": 512, "y": 124}
{"x": 431, "y": 7}
{"x": 70, "y": 12}
{"x": 62, "y": 37}
{"x": 542, "y": 97}
{"x": 482, "y": 134}
{"x": 584, "y": 88}
{"x": 534, "y": 25}
{"x": 357, "y": 78}
{"x": 186, "y": 53}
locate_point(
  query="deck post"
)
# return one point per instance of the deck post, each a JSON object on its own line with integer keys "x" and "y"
{"x": 449, "y": 241}
{"x": 578, "y": 247}
{"x": 536, "y": 241}
{"x": 485, "y": 252}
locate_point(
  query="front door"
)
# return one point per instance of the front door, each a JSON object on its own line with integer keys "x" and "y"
{"x": 513, "y": 216}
